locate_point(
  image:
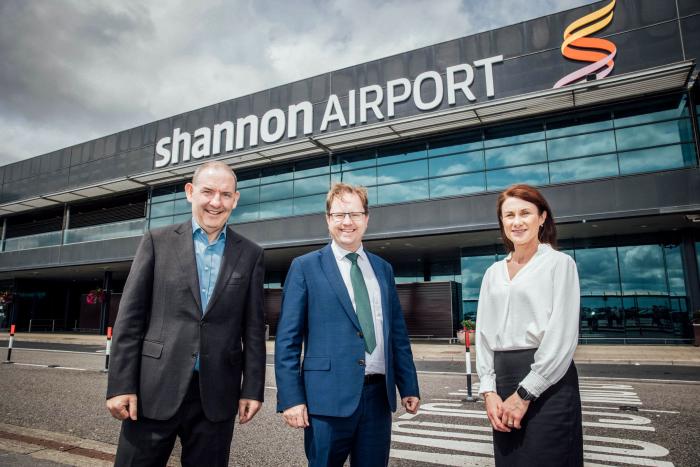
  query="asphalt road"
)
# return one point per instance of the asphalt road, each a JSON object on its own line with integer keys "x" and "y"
{"x": 662, "y": 431}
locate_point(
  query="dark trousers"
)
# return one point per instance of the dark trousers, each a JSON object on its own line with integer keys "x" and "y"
{"x": 365, "y": 435}
{"x": 148, "y": 442}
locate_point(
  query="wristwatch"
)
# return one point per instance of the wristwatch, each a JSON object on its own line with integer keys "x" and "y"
{"x": 525, "y": 395}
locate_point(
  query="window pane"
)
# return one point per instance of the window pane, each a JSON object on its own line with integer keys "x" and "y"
{"x": 456, "y": 163}
{"x": 598, "y": 271}
{"x": 351, "y": 161}
{"x": 516, "y": 155}
{"x": 579, "y": 124}
{"x": 248, "y": 178}
{"x": 652, "y": 111}
{"x": 276, "y": 191}
{"x": 313, "y": 167}
{"x": 648, "y": 160}
{"x": 402, "y": 172}
{"x": 364, "y": 177}
{"x": 249, "y": 196}
{"x": 654, "y": 134}
{"x": 401, "y": 154}
{"x": 457, "y": 185}
{"x": 581, "y": 145}
{"x": 642, "y": 270}
{"x": 162, "y": 209}
{"x": 516, "y": 134}
{"x": 244, "y": 214}
{"x": 311, "y": 185}
{"x": 583, "y": 169}
{"x": 462, "y": 143}
{"x": 276, "y": 174}
{"x": 473, "y": 270}
{"x": 281, "y": 208}
{"x": 530, "y": 174}
{"x": 309, "y": 204}
{"x": 400, "y": 192}
{"x": 602, "y": 315}
{"x": 182, "y": 206}
{"x": 674, "y": 269}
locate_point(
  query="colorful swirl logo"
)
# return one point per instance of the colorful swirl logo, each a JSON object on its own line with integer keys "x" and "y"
{"x": 578, "y": 46}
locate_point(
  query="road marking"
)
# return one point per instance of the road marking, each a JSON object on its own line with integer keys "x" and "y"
{"x": 19, "y": 349}
{"x": 640, "y": 410}
{"x": 51, "y": 366}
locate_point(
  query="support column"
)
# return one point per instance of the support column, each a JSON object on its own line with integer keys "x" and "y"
{"x": 104, "y": 306}
{"x": 692, "y": 277}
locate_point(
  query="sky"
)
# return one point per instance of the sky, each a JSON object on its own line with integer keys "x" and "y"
{"x": 75, "y": 70}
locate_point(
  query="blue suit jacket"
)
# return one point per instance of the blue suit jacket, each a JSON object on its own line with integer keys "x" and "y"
{"x": 317, "y": 311}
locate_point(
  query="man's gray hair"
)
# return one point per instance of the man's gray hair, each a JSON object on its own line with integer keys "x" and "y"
{"x": 214, "y": 165}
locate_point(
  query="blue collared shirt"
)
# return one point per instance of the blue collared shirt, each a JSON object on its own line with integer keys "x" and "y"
{"x": 208, "y": 257}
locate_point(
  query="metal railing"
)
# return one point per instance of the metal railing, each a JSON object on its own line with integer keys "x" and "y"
{"x": 46, "y": 324}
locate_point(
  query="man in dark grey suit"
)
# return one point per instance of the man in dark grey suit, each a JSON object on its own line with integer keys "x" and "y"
{"x": 188, "y": 349}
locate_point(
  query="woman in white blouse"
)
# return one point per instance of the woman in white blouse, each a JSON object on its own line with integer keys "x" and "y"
{"x": 526, "y": 334}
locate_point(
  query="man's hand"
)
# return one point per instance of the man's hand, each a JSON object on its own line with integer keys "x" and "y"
{"x": 123, "y": 406}
{"x": 247, "y": 408}
{"x": 410, "y": 403}
{"x": 514, "y": 409}
{"x": 494, "y": 410}
{"x": 297, "y": 416}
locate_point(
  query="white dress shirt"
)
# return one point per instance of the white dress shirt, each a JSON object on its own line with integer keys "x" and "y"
{"x": 538, "y": 308}
{"x": 375, "y": 360}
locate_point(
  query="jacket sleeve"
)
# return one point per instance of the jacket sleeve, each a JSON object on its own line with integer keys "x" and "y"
{"x": 254, "y": 350}
{"x": 289, "y": 339}
{"x": 404, "y": 368}
{"x": 132, "y": 319}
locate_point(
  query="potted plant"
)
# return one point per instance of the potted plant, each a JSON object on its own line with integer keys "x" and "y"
{"x": 5, "y": 297}
{"x": 95, "y": 296}
{"x": 469, "y": 326}
{"x": 696, "y": 328}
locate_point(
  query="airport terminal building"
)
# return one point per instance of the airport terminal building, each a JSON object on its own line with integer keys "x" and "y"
{"x": 596, "y": 105}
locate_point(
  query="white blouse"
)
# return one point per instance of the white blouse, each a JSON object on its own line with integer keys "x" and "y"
{"x": 539, "y": 309}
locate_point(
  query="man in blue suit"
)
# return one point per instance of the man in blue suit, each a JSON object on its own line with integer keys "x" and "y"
{"x": 340, "y": 302}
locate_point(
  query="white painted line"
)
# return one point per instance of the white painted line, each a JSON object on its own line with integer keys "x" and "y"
{"x": 52, "y": 367}
{"x": 639, "y": 410}
{"x": 55, "y": 351}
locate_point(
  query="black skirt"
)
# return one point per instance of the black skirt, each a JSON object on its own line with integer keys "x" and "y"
{"x": 551, "y": 433}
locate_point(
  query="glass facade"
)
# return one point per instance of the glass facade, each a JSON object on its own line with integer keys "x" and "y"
{"x": 629, "y": 290}
{"x": 652, "y": 135}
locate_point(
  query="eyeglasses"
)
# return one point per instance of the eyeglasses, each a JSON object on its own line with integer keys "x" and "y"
{"x": 340, "y": 216}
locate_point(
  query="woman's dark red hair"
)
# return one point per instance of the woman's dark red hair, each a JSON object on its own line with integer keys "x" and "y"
{"x": 548, "y": 232}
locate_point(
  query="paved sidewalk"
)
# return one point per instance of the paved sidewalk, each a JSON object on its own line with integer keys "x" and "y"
{"x": 431, "y": 350}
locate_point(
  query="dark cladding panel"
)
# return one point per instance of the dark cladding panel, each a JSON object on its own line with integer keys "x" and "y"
{"x": 280, "y": 97}
{"x": 635, "y": 14}
{"x": 164, "y": 128}
{"x": 691, "y": 37}
{"x": 649, "y": 47}
{"x": 427, "y": 308}
{"x": 35, "y": 257}
{"x": 95, "y": 252}
{"x": 688, "y": 7}
{"x": 344, "y": 80}
{"x": 272, "y": 304}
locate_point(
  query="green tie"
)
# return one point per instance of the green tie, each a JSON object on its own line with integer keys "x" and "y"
{"x": 362, "y": 305}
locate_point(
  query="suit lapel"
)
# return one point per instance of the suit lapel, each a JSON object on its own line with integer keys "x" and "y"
{"x": 187, "y": 260}
{"x": 232, "y": 254}
{"x": 330, "y": 268}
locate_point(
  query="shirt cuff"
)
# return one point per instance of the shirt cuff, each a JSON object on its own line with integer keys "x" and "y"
{"x": 487, "y": 383}
{"x": 535, "y": 384}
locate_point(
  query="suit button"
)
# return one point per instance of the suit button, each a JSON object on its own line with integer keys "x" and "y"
{"x": 361, "y": 362}
{"x": 360, "y": 334}
{"x": 194, "y": 355}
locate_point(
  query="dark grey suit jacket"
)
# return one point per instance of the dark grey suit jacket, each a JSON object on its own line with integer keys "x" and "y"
{"x": 160, "y": 327}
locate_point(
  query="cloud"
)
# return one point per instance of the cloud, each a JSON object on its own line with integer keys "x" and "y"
{"x": 75, "y": 70}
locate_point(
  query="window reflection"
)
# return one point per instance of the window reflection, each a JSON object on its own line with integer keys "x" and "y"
{"x": 402, "y": 192}
{"x": 674, "y": 269}
{"x": 457, "y": 185}
{"x": 655, "y": 134}
{"x": 598, "y": 271}
{"x": 310, "y": 204}
{"x": 311, "y": 185}
{"x": 642, "y": 270}
{"x": 275, "y": 191}
{"x": 457, "y": 163}
{"x": 402, "y": 172}
{"x": 530, "y": 174}
{"x": 649, "y": 160}
{"x": 516, "y": 155}
{"x": 581, "y": 145}
{"x": 583, "y": 169}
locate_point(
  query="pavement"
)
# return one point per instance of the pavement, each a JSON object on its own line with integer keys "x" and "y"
{"x": 443, "y": 350}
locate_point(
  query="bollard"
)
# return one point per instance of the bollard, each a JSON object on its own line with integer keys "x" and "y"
{"x": 9, "y": 345}
{"x": 108, "y": 347}
{"x": 468, "y": 359}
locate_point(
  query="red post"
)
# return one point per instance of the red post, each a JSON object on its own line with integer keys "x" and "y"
{"x": 108, "y": 347}
{"x": 9, "y": 345}
{"x": 468, "y": 361}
